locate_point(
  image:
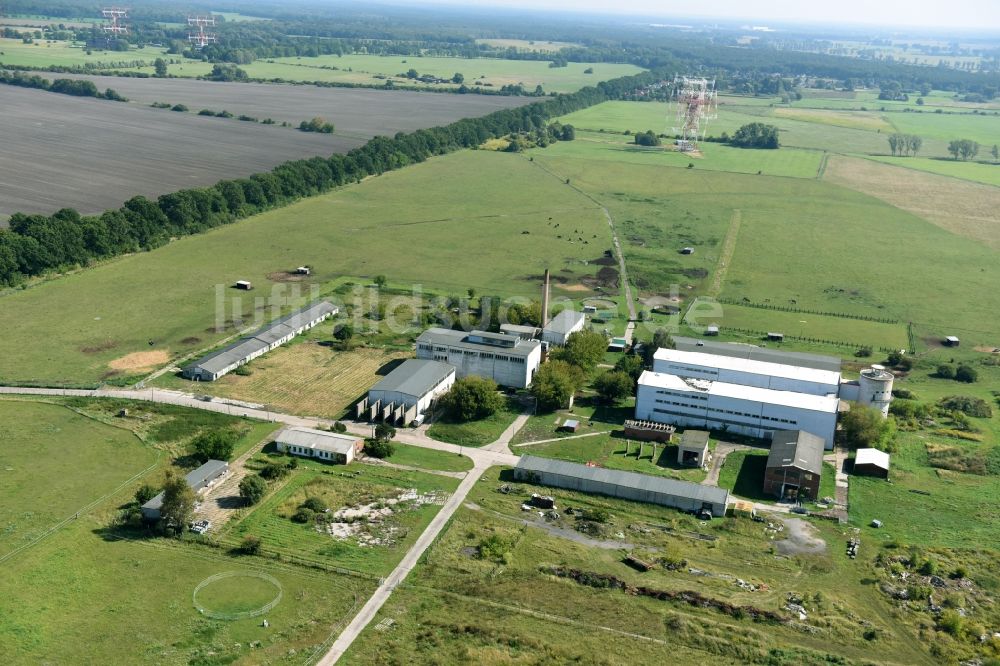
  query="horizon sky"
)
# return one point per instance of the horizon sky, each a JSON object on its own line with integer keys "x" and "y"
{"x": 973, "y": 14}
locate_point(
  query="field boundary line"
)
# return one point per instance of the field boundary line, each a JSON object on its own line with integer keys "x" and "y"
{"x": 821, "y": 171}
{"x": 728, "y": 250}
{"x": 100, "y": 500}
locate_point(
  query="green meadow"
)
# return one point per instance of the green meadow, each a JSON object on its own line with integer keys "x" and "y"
{"x": 439, "y": 224}
{"x": 987, "y": 173}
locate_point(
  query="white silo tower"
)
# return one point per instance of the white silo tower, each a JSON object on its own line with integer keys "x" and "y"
{"x": 876, "y": 388}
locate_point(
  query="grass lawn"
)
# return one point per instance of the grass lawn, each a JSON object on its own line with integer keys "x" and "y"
{"x": 475, "y": 433}
{"x": 592, "y": 415}
{"x": 66, "y": 54}
{"x": 614, "y": 451}
{"x": 979, "y": 172}
{"x": 55, "y": 462}
{"x": 418, "y": 456}
{"x": 982, "y": 128}
{"x": 80, "y": 598}
{"x": 453, "y": 583}
{"x": 743, "y": 474}
{"x": 341, "y": 487}
{"x": 855, "y": 333}
{"x": 436, "y": 224}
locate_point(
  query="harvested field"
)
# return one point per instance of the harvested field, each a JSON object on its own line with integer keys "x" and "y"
{"x": 63, "y": 151}
{"x": 356, "y": 112}
{"x": 852, "y": 119}
{"x": 140, "y": 360}
{"x": 307, "y": 378}
{"x": 966, "y": 209}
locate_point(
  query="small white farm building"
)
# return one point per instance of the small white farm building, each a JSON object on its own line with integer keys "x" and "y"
{"x": 564, "y": 324}
{"x": 320, "y": 444}
{"x": 200, "y": 480}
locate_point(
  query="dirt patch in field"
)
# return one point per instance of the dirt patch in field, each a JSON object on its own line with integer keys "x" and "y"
{"x": 190, "y": 341}
{"x": 801, "y": 540}
{"x": 140, "y": 360}
{"x": 285, "y": 276}
{"x": 987, "y": 349}
{"x": 964, "y": 208}
{"x": 574, "y": 287}
{"x": 98, "y": 348}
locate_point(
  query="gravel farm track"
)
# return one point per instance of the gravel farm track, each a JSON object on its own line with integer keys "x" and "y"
{"x": 63, "y": 151}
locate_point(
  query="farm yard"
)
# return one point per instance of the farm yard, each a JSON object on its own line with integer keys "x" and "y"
{"x": 303, "y": 378}
{"x": 374, "y": 514}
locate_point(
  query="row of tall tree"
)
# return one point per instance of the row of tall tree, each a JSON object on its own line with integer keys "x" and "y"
{"x": 35, "y": 244}
{"x": 904, "y": 145}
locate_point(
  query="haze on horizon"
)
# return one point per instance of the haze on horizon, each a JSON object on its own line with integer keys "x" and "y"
{"x": 979, "y": 15}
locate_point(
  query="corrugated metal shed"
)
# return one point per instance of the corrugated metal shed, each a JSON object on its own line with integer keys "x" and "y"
{"x": 873, "y": 457}
{"x": 196, "y": 478}
{"x": 565, "y": 322}
{"x": 626, "y": 485}
{"x": 796, "y": 448}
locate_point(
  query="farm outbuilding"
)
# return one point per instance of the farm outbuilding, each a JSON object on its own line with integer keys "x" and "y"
{"x": 564, "y": 324}
{"x": 320, "y": 444}
{"x": 693, "y": 448}
{"x": 711, "y": 330}
{"x": 952, "y": 341}
{"x": 408, "y": 391}
{"x": 200, "y": 480}
{"x": 278, "y": 332}
{"x": 871, "y": 462}
{"x": 246, "y": 285}
{"x": 624, "y": 485}
{"x": 649, "y": 431}
{"x": 570, "y": 425}
{"x": 794, "y": 465}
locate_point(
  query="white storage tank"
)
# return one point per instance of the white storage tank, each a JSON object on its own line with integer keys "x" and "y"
{"x": 876, "y": 388}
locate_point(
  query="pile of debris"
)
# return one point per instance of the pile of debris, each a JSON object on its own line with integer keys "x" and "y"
{"x": 852, "y": 547}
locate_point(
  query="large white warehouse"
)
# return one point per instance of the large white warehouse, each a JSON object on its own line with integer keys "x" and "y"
{"x": 746, "y": 410}
{"x": 506, "y": 359}
{"x": 408, "y": 391}
{"x": 747, "y": 372}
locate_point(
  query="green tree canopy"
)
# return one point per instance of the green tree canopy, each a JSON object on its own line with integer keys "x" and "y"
{"x": 379, "y": 448}
{"x": 584, "y": 349}
{"x": 252, "y": 489}
{"x": 555, "y": 383}
{"x": 214, "y": 445}
{"x": 631, "y": 365}
{"x": 178, "y": 501}
{"x": 614, "y": 386}
{"x": 865, "y": 427}
{"x": 756, "y": 135}
{"x": 160, "y": 67}
{"x": 471, "y": 398}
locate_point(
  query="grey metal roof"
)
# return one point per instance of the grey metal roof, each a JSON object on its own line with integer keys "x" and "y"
{"x": 564, "y": 322}
{"x": 755, "y": 353}
{"x": 317, "y": 439}
{"x": 196, "y": 478}
{"x": 459, "y": 339}
{"x": 233, "y": 353}
{"x": 657, "y": 484}
{"x": 530, "y": 331}
{"x": 796, "y": 448}
{"x": 694, "y": 439}
{"x": 415, "y": 377}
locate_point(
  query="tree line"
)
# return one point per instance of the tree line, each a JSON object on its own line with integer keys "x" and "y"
{"x": 904, "y": 145}
{"x": 36, "y": 244}
{"x": 77, "y": 88}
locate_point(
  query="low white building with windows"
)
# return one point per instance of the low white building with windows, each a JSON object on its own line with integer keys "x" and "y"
{"x": 506, "y": 359}
{"x": 320, "y": 444}
{"x": 746, "y": 410}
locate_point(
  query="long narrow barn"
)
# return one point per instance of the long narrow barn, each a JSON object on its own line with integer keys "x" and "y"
{"x": 633, "y": 486}
{"x": 278, "y": 332}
